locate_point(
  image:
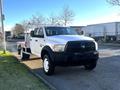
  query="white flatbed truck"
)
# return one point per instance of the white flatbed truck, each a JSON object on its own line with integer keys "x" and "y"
{"x": 59, "y": 46}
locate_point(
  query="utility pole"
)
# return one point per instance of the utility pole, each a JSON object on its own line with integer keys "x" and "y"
{"x": 2, "y": 26}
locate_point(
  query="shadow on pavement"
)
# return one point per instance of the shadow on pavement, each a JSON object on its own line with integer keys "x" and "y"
{"x": 105, "y": 76}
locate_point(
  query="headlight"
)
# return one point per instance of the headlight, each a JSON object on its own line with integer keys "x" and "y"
{"x": 58, "y": 47}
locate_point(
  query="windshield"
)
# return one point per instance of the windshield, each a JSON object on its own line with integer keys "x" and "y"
{"x": 51, "y": 31}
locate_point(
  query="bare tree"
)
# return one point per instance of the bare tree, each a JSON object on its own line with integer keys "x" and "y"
{"x": 53, "y": 20}
{"x": 67, "y": 16}
{"x": 26, "y": 24}
{"x": 18, "y": 29}
{"x": 114, "y": 2}
{"x": 37, "y": 20}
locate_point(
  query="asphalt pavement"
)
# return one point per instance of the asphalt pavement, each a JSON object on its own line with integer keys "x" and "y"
{"x": 11, "y": 46}
{"x": 106, "y": 76}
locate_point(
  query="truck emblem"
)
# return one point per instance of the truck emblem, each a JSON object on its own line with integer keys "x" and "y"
{"x": 83, "y": 46}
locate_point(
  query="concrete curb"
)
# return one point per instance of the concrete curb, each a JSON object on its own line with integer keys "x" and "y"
{"x": 45, "y": 81}
{"x": 41, "y": 78}
{"x": 38, "y": 76}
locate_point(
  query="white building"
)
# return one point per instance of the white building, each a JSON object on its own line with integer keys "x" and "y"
{"x": 110, "y": 30}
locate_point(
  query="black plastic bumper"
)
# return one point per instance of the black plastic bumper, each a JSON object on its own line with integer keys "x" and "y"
{"x": 74, "y": 59}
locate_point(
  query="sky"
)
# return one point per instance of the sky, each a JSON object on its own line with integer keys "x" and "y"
{"x": 86, "y": 11}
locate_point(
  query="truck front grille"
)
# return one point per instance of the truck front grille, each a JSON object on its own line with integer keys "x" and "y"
{"x": 80, "y": 46}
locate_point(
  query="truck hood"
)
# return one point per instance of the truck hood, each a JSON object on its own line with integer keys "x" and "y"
{"x": 62, "y": 39}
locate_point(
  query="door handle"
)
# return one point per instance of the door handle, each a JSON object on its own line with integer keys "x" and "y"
{"x": 36, "y": 40}
{"x": 40, "y": 45}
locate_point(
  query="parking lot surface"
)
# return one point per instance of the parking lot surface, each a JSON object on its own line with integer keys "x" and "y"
{"x": 106, "y": 76}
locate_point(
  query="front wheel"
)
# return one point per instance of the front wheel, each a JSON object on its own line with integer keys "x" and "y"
{"x": 91, "y": 65}
{"x": 48, "y": 66}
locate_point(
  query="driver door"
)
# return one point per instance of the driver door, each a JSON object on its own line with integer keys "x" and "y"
{"x": 40, "y": 41}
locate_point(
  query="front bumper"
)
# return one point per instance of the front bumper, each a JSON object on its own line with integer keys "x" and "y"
{"x": 74, "y": 59}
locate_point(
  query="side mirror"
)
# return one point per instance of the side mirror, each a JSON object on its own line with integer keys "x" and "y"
{"x": 41, "y": 36}
{"x": 32, "y": 33}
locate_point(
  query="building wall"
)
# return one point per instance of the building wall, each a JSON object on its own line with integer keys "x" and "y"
{"x": 93, "y": 30}
{"x": 100, "y": 29}
{"x": 118, "y": 31}
{"x": 78, "y": 29}
{"x": 110, "y": 28}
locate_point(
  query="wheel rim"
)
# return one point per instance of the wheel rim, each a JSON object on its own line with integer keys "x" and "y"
{"x": 46, "y": 65}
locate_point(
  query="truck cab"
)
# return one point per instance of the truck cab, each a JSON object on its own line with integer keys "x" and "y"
{"x": 62, "y": 46}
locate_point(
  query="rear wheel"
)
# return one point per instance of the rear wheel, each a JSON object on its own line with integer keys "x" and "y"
{"x": 48, "y": 66}
{"x": 91, "y": 65}
{"x": 24, "y": 56}
{"x": 19, "y": 51}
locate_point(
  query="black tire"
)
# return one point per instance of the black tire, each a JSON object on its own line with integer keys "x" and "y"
{"x": 19, "y": 51}
{"x": 48, "y": 66}
{"x": 24, "y": 56}
{"x": 90, "y": 66}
